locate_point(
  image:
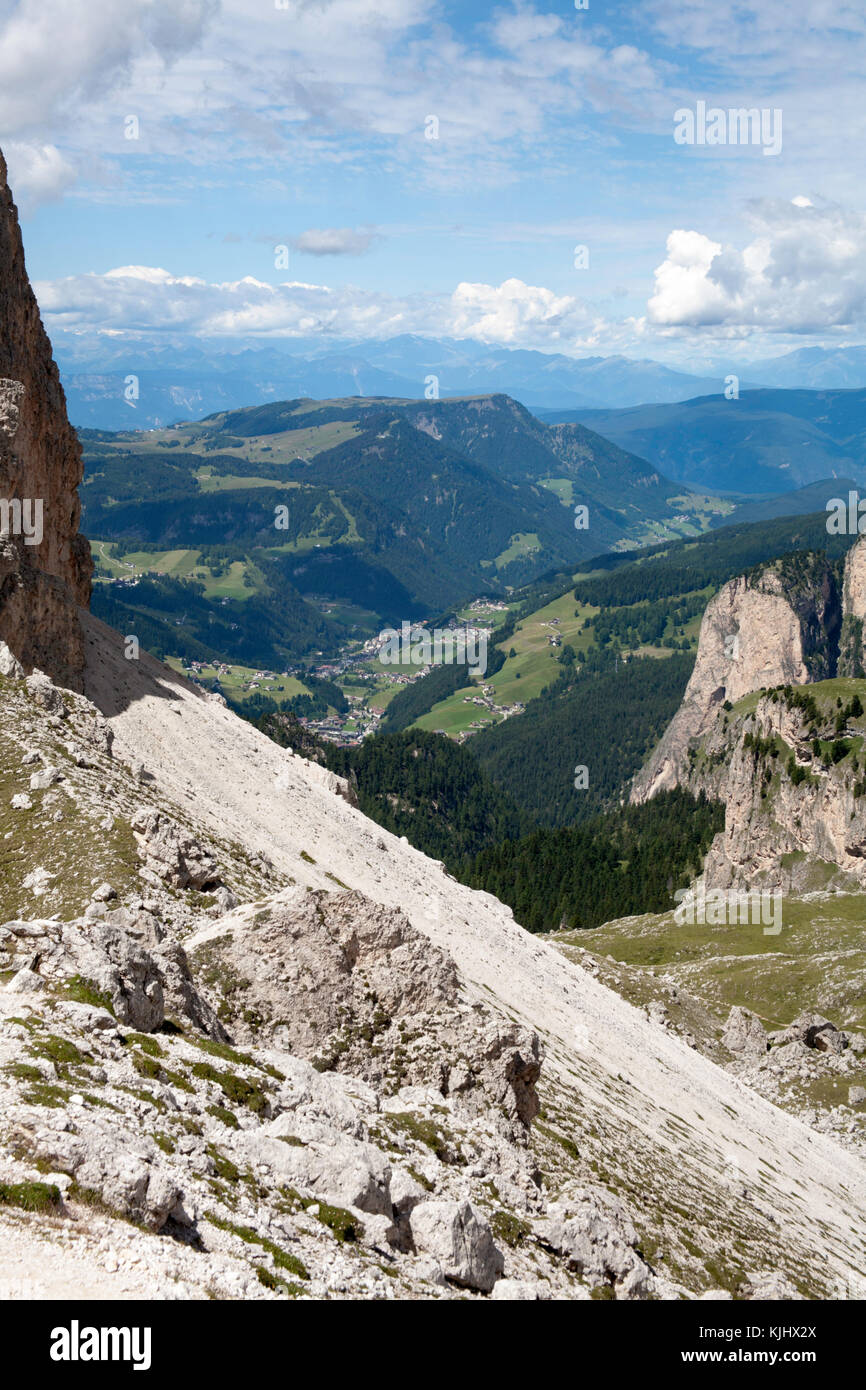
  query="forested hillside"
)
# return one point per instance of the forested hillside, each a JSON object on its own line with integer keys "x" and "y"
{"x": 629, "y": 861}
{"x": 606, "y": 717}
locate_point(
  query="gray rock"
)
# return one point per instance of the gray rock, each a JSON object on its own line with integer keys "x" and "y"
{"x": 25, "y": 982}
{"x": 594, "y": 1233}
{"x": 817, "y": 1032}
{"x": 10, "y": 666}
{"x": 44, "y": 778}
{"x": 517, "y": 1291}
{"x": 345, "y": 1172}
{"x": 769, "y": 1286}
{"x": 744, "y": 1032}
{"x": 172, "y": 854}
{"x": 121, "y": 968}
{"x": 44, "y": 692}
{"x": 458, "y": 1237}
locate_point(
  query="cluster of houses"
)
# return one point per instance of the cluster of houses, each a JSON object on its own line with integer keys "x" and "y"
{"x": 363, "y": 719}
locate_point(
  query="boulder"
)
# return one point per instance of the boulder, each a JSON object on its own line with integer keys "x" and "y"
{"x": 816, "y": 1032}
{"x": 517, "y": 1291}
{"x": 459, "y": 1239}
{"x": 119, "y": 1167}
{"x": 594, "y": 1233}
{"x": 744, "y": 1032}
{"x": 44, "y": 692}
{"x": 172, "y": 853}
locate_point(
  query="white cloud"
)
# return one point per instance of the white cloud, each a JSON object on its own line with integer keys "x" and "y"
{"x": 348, "y": 82}
{"x": 334, "y": 241}
{"x": 54, "y": 55}
{"x": 38, "y": 173}
{"x": 150, "y": 299}
{"x": 804, "y": 271}
{"x": 514, "y": 312}
{"x": 147, "y": 299}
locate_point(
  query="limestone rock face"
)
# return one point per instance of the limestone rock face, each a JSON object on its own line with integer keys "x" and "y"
{"x": 41, "y": 585}
{"x": 354, "y": 987}
{"x": 777, "y": 626}
{"x": 750, "y": 637}
{"x": 851, "y": 647}
{"x": 782, "y": 832}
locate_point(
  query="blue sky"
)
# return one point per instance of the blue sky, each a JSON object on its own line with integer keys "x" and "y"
{"x": 301, "y": 123}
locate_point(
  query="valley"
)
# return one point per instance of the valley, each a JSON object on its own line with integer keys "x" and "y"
{"x": 432, "y": 836}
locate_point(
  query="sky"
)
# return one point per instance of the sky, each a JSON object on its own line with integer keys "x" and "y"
{"x": 524, "y": 174}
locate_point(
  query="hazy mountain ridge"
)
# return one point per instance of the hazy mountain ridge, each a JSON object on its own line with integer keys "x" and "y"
{"x": 189, "y": 382}
{"x": 766, "y": 441}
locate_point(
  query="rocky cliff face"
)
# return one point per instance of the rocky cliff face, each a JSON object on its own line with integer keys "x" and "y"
{"x": 852, "y": 654}
{"x": 791, "y": 780}
{"x": 45, "y": 565}
{"x": 775, "y": 627}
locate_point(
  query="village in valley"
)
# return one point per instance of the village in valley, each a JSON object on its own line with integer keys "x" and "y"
{"x": 366, "y": 678}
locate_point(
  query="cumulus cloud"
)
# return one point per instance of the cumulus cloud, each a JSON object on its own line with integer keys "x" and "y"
{"x": 150, "y": 299}
{"x": 38, "y": 173}
{"x": 804, "y": 271}
{"x": 54, "y": 55}
{"x": 334, "y": 241}
{"x": 514, "y": 312}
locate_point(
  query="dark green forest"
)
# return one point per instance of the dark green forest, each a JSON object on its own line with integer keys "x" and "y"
{"x": 606, "y": 716}
{"x": 629, "y": 861}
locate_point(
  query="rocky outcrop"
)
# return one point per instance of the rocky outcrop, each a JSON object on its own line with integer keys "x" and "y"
{"x": 262, "y": 1163}
{"x": 852, "y": 651}
{"x": 353, "y": 986}
{"x": 103, "y": 961}
{"x": 744, "y": 1032}
{"x": 171, "y": 855}
{"x": 44, "y": 575}
{"x": 795, "y": 812}
{"x": 592, "y": 1230}
{"x": 778, "y": 625}
{"x": 750, "y": 636}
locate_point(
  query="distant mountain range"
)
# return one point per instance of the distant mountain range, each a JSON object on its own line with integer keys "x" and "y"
{"x": 813, "y": 369}
{"x": 768, "y": 441}
{"x": 422, "y": 503}
{"x": 122, "y": 385}
{"x": 145, "y": 387}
